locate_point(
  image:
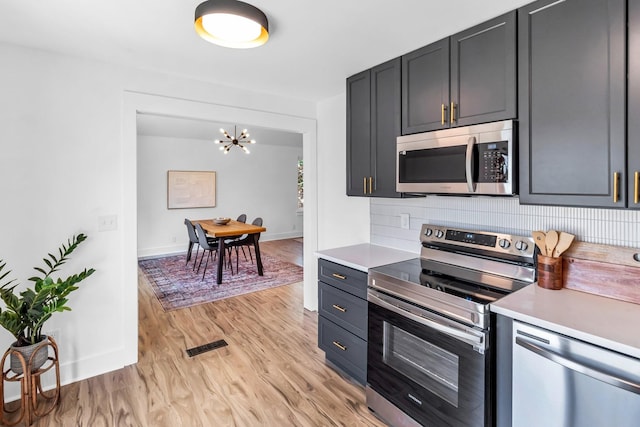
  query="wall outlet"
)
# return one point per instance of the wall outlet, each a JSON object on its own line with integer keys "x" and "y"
{"x": 404, "y": 221}
{"x": 108, "y": 223}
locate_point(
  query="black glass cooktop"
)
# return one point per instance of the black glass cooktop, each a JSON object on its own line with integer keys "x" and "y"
{"x": 464, "y": 283}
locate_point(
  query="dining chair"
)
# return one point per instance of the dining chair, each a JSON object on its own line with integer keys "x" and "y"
{"x": 241, "y": 218}
{"x": 207, "y": 245}
{"x": 245, "y": 240}
{"x": 193, "y": 241}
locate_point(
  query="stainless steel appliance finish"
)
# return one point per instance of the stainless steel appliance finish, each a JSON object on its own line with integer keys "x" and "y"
{"x": 562, "y": 382}
{"x": 429, "y": 351}
{"x": 474, "y": 160}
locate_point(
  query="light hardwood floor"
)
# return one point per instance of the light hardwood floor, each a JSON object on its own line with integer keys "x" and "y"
{"x": 270, "y": 374}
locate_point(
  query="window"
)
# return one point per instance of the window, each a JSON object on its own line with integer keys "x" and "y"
{"x": 300, "y": 184}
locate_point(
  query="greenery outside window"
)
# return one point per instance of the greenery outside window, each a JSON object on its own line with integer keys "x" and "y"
{"x": 300, "y": 185}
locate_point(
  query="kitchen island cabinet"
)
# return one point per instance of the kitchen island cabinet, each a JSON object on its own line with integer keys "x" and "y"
{"x": 373, "y": 123}
{"x": 571, "y": 62}
{"x": 342, "y": 304}
{"x": 465, "y": 79}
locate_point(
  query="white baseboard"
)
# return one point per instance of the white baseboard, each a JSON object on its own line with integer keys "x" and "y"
{"x": 281, "y": 236}
{"x": 75, "y": 371}
{"x": 144, "y": 253}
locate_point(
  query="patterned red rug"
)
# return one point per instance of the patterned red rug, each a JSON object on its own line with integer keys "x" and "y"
{"x": 178, "y": 286}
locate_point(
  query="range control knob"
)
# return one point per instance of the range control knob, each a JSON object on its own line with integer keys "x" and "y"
{"x": 439, "y": 234}
{"x": 428, "y": 232}
{"x": 504, "y": 243}
{"x": 521, "y": 246}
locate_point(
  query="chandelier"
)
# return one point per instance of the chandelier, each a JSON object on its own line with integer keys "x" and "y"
{"x": 235, "y": 141}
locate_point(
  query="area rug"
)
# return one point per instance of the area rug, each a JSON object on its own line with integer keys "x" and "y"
{"x": 176, "y": 285}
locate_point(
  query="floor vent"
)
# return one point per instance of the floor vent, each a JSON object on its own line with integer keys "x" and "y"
{"x": 206, "y": 347}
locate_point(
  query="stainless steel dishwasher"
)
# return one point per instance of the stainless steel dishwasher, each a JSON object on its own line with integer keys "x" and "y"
{"x": 563, "y": 382}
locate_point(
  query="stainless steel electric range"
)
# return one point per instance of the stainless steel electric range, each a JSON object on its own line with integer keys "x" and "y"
{"x": 430, "y": 352}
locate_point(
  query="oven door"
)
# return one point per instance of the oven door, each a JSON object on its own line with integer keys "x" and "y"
{"x": 432, "y": 368}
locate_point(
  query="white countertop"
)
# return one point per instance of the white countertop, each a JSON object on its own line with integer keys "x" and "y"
{"x": 365, "y": 256}
{"x": 602, "y": 321}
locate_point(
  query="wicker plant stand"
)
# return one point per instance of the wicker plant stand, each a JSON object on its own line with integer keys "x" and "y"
{"x": 34, "y": 401}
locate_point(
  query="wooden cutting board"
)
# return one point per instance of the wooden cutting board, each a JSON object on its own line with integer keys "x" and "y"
{"x": 609, "y": 271}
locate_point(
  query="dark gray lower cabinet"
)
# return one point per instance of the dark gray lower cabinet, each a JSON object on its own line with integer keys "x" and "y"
{"x": 571, "y": 62}
{"x": 342, "y": 320}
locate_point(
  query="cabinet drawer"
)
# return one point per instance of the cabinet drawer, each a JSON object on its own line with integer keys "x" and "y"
{"x": 345, "y": 278}
{"x": 343, "y": 349}
{"x": 344, "y": 309}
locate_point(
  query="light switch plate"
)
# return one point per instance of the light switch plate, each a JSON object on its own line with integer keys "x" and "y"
{"x": 404, "y": 221}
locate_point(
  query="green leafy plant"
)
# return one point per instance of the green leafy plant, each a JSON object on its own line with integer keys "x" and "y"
{"x": 26, "y": 313}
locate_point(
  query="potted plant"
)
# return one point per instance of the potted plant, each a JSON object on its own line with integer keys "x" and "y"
{"x": 27, "y": 311}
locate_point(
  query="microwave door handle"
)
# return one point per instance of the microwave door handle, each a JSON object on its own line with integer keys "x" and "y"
{"x": 468, "y": 164}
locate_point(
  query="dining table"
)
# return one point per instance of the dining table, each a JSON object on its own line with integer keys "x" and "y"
{"x": 232, "y": 229}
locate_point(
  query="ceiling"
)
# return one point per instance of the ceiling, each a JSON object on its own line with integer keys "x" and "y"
{"x": 313, "y": 45}
{"x": 186, "y": 128}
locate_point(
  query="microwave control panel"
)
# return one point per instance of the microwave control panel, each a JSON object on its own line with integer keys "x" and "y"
{"x": 493, "y": 161}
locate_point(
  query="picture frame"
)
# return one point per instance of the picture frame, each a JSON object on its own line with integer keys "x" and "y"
{"x": 191, "y": 189}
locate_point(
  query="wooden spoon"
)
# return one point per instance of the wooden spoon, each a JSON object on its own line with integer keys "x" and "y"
{"x": 551, "y": 241}
{"x": 539, "y": 237}
{"x": 564, "y": 241}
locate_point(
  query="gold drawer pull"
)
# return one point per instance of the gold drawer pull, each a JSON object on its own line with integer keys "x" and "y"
{"x": 364, "y": 187}
{"x": 370, "y": 185}
{"x": 636, "y": 190}
{"x": 452, "y": 113}
{"x": 339, "y": 276}
{"x": 442, "y": 111}
{"x": 340, "y": 346}
{"x": 616, "y": 176}
{"x": 337, "y": 307}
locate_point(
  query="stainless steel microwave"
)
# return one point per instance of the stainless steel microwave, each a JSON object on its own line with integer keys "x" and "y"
{"x": 471, "y": 160}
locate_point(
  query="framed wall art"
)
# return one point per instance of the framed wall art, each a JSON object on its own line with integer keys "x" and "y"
{"x": 191, "y": 189}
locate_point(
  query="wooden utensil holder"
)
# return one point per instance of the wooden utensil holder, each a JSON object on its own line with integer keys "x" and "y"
{"x": 549, "y": 272}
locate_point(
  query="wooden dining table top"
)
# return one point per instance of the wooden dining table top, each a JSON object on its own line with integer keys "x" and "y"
{"x": 232, "y": 228}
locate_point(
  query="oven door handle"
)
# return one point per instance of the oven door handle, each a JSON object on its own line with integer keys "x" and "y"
{"x": 469, "y": 163}
{"x": 477, "y": 341}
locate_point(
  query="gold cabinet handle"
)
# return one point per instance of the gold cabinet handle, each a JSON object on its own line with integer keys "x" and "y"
{"x": 339, "y": 276}
{"x": 370, "y": 185}
{"x": 443, "y": 109}
{"x": 337, "y": 307}
{"x": 616, "y": 176}
{"x": 636, "y": 189}
{"x": 452, "y": 113}
{"x": 340, "y": 346}
{"x": 364, "y": 185}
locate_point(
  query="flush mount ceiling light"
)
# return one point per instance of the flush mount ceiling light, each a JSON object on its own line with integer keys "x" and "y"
{"x": 233, "y": 141}
{"x": 231, "y": 23}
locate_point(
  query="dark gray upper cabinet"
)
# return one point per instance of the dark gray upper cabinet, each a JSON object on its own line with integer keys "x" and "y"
{"x": 373, "y": 124}
{"x": 358, "y": 132}
{"x": 483, "y": 72}
{"x": 633, "y": 124}
{"x": 465, "y": 79}
{"x": 571, "y": 61}
{"x": 425, "y": 88}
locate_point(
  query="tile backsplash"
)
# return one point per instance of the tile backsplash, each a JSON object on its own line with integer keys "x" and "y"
{"x": 506, "y": 215}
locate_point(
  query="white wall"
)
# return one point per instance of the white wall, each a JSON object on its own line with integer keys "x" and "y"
{"x": 342, "y": 220}
{"x": 605, "y": 226}
{"x": 260, "y": 184}
{"x": 67, "y": 128}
